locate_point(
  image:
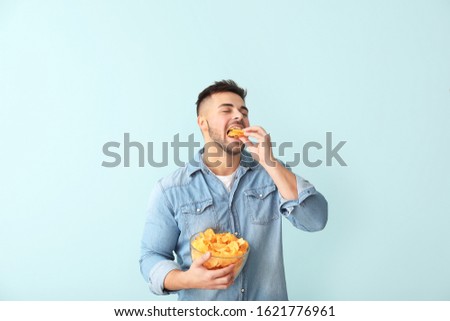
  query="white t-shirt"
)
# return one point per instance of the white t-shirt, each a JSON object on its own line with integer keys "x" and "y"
{"x": 227, "y": 180}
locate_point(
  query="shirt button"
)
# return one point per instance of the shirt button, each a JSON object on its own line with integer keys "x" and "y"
{"x": 242, "y": 290}
{"x": 198, "y": 210}
{"x": 236, "y": 233}
{"x": 260, "y": 195}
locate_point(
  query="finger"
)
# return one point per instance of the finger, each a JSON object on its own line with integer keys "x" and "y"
{"x": 202, "y": 259}
{"x": 223, "y": 271}
{"x": 244, "y": 139}
{"x": 225, "y": 281}
{"x": 219, "y": 287}
{"x": 247, "y": 141}
{"x": 260, "y": 136}
{"x": 253, "y": 129}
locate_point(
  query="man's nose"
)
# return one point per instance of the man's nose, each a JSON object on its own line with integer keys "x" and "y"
{"x": 237, "y": 115}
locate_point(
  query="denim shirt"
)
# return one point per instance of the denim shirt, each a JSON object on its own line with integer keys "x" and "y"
{"x": 193, "y": 199}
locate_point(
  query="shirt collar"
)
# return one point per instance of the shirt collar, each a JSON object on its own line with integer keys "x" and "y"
{"x": 197, "y": 164}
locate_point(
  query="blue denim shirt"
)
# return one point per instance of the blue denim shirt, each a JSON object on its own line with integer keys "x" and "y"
{"x": 193, "y": 199}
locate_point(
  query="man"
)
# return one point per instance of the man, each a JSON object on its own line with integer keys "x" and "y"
{"x": 234, "y": 185}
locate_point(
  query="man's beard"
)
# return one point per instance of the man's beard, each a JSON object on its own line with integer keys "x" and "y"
{"x": 231, "y": 149}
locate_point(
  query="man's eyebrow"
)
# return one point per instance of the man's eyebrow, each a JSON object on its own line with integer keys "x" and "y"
{"x": 231, "y": 105}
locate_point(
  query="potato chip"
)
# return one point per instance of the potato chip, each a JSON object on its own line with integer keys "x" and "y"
{"x": 235, "y": 133}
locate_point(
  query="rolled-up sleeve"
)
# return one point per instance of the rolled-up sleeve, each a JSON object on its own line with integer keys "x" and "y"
{"x": 158, "y": 242}
{"x": 309, "y": 212}
{"x": 158, "y": 274}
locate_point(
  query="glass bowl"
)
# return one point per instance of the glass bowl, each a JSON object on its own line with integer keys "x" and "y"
{"x": 219, "y": 261}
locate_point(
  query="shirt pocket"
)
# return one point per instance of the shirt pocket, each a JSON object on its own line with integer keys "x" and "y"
{"x": 198, "y": 216}
{"x": 262, "y": 204}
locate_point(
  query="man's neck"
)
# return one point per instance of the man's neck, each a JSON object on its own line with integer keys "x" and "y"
{"x": 220, "y": 162}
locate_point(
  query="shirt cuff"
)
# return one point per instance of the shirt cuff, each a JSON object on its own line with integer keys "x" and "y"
{"x": 304, "y": 188}
{"x": 158, "y": 274}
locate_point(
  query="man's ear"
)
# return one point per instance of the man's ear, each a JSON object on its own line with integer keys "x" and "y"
{"x": 202, "y": 123}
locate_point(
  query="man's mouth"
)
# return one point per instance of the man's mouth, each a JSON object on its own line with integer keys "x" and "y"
{"x": 235, "y": 126}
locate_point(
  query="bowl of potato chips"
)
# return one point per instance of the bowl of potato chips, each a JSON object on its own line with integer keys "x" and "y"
{"x": 225, "y": 249}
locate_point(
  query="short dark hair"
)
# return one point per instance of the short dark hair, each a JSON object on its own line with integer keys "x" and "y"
{"x": 220, "y": 87}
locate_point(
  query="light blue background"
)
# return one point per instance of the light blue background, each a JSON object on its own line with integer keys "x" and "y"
{"x": 77, "y": 74}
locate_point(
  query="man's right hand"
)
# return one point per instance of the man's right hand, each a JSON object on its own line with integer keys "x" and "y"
{"x": 199, "y": 277}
